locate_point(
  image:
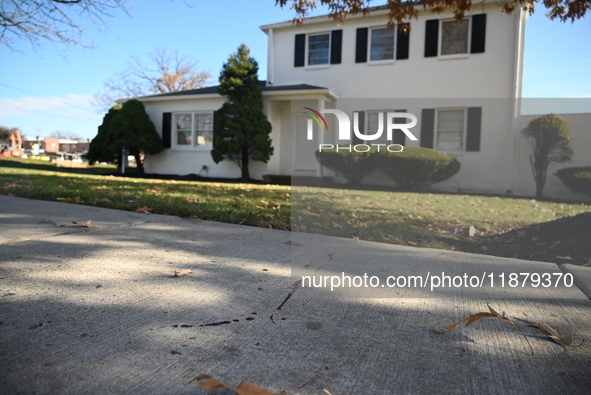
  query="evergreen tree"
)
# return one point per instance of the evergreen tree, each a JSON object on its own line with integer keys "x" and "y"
{"x": 241, "y": 129}
{"x": 98, "y": 150}
{"x": 131, "y": 128}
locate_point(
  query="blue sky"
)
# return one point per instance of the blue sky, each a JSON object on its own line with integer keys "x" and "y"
{"x": 50, "y": 89}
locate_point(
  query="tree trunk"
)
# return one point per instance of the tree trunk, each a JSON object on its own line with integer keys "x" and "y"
{"x": 138, "y": 163}
{"x": 539, "y": 170}
{"x": 244, "y": 167}
{"x": 120, "y": 162}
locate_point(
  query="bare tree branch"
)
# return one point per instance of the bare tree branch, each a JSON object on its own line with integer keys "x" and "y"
{"x": 162, "y": 71}
{"x": 56, "y": 21}
{"x": 404, "y": 10}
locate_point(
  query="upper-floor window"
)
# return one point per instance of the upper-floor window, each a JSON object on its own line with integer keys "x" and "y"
{"x": 454, "y": 37}
{"x": 382, "y": 44}
{"x": 318, "y": 49}
{"x": 446, "y": 38}
{"x": 193, "y": 130}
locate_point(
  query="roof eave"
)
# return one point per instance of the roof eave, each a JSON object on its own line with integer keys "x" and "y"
{"x": 275, "y": 94}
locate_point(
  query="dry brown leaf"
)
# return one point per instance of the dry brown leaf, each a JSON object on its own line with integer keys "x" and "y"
{"x": 144, "y": 209}
{"x": 244, "y": 388}
{"x": 475, "y": 317}
{"x": 268, "y": 215}
{"x": 553, "y": 334}
{"x": 181, "y": 273}
{"x": 87, "y": 224}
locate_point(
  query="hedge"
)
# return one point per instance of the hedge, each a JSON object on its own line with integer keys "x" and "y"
{"x": 577, "y": 178}
{"x": 416, "y": 167}
{"x": 354, "y": 166}
{"x": 412, "y": 168}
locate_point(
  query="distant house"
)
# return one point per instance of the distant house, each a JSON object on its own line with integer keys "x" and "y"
{"x": 63, "y": 148}
{"x": 462, "y": 81}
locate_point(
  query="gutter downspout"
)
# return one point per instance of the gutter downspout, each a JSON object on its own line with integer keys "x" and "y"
{"x": 271, "y": 58}
{"x": 516, "y": 96}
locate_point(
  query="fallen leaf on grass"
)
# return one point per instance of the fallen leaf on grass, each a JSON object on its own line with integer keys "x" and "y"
{"x": 144, "y": 209}
{"x": 244, "y": 388}
{"x": 87, "y": 224}
{"x": 181, "y": 273}
{"x": 320, "y": 225}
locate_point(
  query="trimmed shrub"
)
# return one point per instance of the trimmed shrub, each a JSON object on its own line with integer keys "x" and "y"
{"x": 551, "y": 142}
{"x": 417, "y": 167}
{"x": 354, "y": 166}
{"x": 577, "y": 178}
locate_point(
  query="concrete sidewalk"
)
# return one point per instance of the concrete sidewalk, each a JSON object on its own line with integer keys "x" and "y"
{"x": 97, "y": 310}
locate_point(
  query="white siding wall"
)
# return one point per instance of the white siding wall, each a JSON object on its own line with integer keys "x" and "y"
{"x": 489, "y": 74}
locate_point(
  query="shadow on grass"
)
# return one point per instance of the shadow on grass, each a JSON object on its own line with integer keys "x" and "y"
{"x": 47, "y": 166}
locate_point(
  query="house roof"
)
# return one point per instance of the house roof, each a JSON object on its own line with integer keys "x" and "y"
{"x": 214, "y": 90}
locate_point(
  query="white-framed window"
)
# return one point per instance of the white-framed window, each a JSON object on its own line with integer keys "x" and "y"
{"x": 193, "y": 130}
{"x": 318, "y": 49}
{"x": 381, "y": 45}
{"x": 455, "y": 37}
{"x": 375, "y": 119}
{"x": 450, "y": 130}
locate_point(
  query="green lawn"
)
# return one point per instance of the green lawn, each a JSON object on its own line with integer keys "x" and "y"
{"x": 257, "y": 205}
{"x": 418, "y": 219}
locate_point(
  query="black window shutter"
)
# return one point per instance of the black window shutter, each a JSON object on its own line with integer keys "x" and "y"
{"x": 402, "y": 40}
{"x": 361, "y": 119}
{"x": 431, "y": 37}
{"x": 478, "y": 33}
{"x": 300, "y": 50}
{"x": 398, "y": 136}
{"x": 336, "y": 43}
{"x": 166, "y": 126}
{"x": 215, "y": 121}
{"x": 361, "y": 45}
{"x": 427, "y": 127}
{"x": 474, "y": 128}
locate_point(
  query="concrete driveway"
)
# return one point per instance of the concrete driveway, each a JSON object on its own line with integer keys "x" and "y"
{"x": 97, "y": 310}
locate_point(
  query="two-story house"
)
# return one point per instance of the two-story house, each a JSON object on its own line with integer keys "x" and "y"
{"x": 462, "y": 81}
